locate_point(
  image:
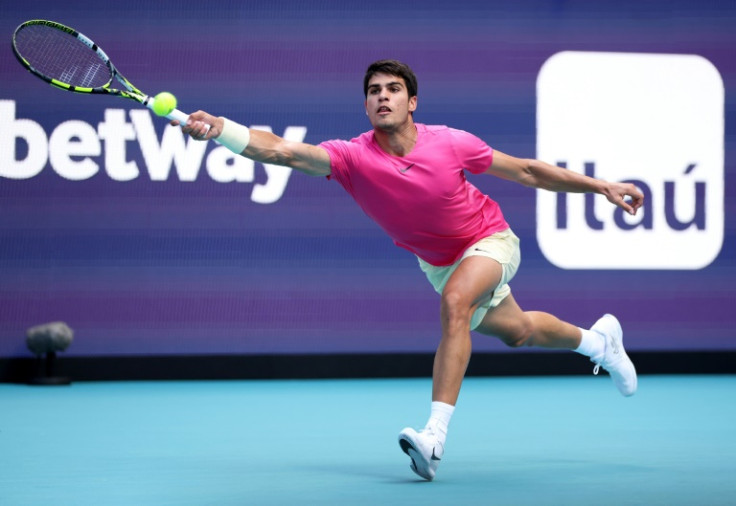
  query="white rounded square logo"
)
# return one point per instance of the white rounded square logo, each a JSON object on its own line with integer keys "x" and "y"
{"x": 656, "y": 120}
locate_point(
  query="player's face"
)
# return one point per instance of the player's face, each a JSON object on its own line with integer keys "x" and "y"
{"x": 388, "y": 104}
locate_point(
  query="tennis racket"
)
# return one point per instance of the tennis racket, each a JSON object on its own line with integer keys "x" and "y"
{"x": 69, "y": 60}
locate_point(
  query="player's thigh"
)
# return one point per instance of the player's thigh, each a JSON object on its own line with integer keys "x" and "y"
{"x": 507, "y": 321}
{"x": 473, "y": 282}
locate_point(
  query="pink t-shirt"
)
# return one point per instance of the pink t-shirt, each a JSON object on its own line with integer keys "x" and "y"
{"x": 422, "y": 200}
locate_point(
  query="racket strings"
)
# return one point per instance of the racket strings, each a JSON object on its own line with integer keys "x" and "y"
{"x": 61, "y": 56}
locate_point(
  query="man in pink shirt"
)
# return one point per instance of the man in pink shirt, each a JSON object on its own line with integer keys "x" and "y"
{"x": 410, "y": 179}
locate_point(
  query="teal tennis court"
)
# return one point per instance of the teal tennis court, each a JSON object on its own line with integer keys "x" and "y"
{"x": 515, "y": 441}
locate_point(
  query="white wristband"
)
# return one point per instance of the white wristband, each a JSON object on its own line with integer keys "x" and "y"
{"x": 234, "y": 136}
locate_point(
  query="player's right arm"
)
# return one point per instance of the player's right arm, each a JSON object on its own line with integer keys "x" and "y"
{"x": 263, "y": 146}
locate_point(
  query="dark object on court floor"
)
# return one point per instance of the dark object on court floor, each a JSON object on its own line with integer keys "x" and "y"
{"x": 45, "y": 341}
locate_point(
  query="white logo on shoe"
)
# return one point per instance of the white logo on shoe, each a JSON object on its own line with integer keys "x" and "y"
{"x": 614, "y": 345}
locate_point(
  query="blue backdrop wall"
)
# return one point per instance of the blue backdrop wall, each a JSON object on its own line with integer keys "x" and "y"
{"x": 146, "y": 243}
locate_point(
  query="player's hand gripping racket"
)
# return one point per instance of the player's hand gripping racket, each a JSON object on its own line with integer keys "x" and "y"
{"x": 69, "y": 60}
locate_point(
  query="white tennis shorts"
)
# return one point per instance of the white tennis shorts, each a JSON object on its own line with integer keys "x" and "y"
{"x": 503, "y": 247}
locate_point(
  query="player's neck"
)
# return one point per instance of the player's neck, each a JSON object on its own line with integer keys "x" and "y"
{"x": 399, "y": 141}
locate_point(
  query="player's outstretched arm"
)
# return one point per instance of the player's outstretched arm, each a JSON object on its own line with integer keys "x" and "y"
{"x": 258, "y": 145}
{"x": 538, "y": 174}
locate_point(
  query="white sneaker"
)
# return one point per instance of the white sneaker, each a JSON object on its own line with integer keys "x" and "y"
{"x": 614, "y": 358}
{"x": 425, "y": 450}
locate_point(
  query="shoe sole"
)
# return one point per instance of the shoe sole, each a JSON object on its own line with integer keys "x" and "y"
{"x": 408, "y": 447}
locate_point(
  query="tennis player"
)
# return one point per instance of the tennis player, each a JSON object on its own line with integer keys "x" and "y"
{"x": 410, "y": 179}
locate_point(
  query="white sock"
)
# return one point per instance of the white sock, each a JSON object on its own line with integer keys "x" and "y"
{"x": 440, "y": 418}
{"x": 592, "y": 344}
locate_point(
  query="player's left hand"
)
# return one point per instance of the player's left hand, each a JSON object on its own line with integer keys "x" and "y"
{"x": 617, "y": 193}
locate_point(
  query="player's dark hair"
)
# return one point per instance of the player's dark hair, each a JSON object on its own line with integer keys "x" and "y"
{"x": 392, "y": 68}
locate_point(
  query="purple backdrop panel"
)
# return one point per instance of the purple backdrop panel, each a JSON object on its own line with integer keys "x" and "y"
{"x": 146, "y": 243}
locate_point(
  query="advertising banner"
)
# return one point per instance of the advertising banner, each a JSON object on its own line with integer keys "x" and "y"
{"x": 146, "y": 242}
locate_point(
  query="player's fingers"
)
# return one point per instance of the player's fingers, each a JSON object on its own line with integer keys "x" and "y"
{"x": 626, "y": 206}
{"x": 636, "y": 199}
{"x": 200, "y": 116}
{"x": 201, "y": 126}
{"x": 208, "y": 133}
{"x": 195, "y": 129}
{"x": 636, "y": 195}
{"x": 200, "y": 130}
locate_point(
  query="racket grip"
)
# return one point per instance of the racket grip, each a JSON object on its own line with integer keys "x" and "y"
{"x": 181, "y": 117}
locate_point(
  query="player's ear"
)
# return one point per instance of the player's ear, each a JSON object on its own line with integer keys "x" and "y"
{"x": 413, "y": 104}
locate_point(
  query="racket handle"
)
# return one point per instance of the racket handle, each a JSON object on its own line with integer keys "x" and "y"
{"x": 181, "y": 117}
{"x": 176, "y": 114}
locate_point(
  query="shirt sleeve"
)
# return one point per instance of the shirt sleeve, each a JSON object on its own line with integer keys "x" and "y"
{"x": 339, "y": 153}
{"x": 474, "y": 154}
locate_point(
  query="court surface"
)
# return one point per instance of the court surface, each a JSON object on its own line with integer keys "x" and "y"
{"x": 512, "y": 441}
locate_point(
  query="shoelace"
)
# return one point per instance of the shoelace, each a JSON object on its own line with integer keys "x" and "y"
{"x": 598, "y": 364}
{"x": 603, "y": 356}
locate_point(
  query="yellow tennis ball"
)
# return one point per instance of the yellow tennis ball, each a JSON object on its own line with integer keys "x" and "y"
{"x": 164, "y": 103}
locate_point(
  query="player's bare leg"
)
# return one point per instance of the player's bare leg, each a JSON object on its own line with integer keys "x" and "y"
{"x": 531, "y": 328}
{"x": 603, "y": 343}
{"x": 472, "y": 284}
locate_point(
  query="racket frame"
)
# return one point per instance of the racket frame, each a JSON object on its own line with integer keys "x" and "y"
{"x": 130, "y": 91}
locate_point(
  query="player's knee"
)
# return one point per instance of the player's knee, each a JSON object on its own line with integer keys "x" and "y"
{"x": 455, "y": 307}
{"x": 520, "y": 335}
